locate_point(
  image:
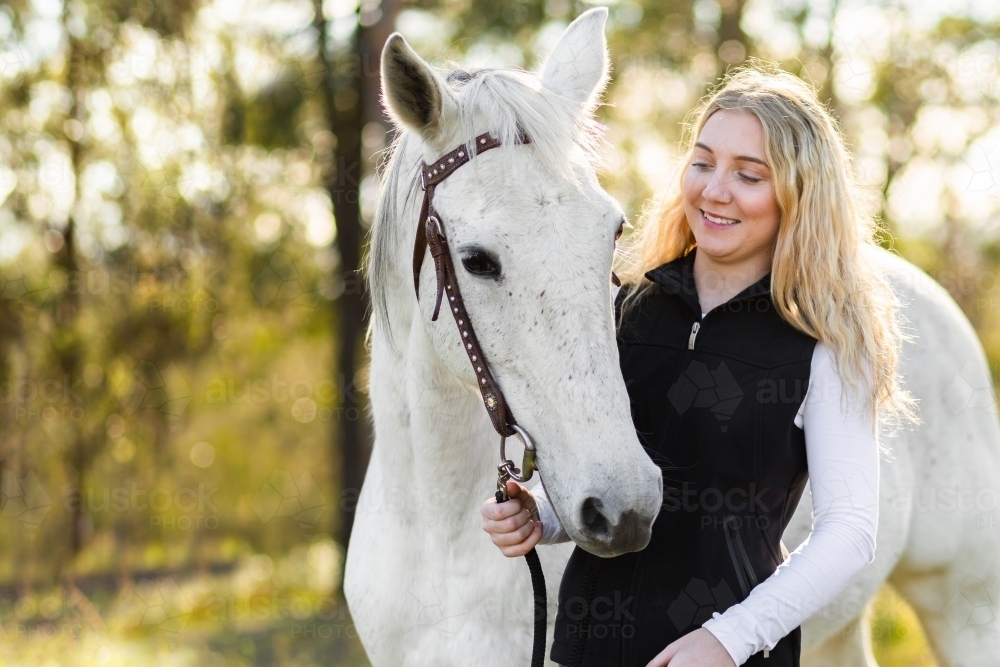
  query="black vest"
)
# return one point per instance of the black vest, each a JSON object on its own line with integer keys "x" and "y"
{"x": 713, "y": 402}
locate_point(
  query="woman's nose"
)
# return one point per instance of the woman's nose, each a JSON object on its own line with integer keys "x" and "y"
{"x": 716, "y": 190}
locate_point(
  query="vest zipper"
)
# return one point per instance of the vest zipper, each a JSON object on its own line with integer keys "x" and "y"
{"x": 624, "y": 647}
{"x": 694, "y": 334}
{"x": 741, "y": 561}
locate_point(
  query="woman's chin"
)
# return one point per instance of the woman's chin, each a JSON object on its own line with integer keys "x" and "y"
{"x": 717, "y": 248}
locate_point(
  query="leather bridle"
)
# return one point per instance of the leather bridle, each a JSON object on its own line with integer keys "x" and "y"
{"x": 430, "y": 234}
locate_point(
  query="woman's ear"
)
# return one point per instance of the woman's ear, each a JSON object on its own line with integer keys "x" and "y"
{"x": 578, "y": 67}
{"x": 414, "y": 94}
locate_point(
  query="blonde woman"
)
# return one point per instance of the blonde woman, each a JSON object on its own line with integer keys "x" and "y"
{"x": 759, "y": 347}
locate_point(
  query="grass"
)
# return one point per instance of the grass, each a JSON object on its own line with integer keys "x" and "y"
{"x": 253, "y": 618}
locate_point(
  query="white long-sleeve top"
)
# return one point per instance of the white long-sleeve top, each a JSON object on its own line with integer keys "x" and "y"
{"x": 842, "y": 456}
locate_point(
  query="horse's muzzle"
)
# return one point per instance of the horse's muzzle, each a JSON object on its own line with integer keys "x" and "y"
{"x": 609, "y": 536}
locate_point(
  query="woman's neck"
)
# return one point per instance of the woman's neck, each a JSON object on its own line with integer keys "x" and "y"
{"x": 719, "y": 282}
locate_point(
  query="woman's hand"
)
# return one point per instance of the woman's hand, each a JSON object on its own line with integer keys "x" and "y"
{"x": 695, "y": 649}
{"x": 513, "y": 526}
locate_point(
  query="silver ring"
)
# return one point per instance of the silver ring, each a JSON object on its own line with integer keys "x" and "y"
{"x": 527, "y": 469}
{"x": 529, "y": 445}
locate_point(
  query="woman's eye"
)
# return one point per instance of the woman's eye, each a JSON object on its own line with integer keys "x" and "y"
{"x": 700, "y": 165}
{"x": 750, "y": 179}
{"x": 481, "y": 264}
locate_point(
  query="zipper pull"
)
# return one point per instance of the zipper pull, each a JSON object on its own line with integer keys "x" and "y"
{"x": 694, "y": 334}
{"x": 767, "y": 654}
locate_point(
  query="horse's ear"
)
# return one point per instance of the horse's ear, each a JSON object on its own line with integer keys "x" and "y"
{"x": 414, "y": 94}
{"x": 578, "y": 67}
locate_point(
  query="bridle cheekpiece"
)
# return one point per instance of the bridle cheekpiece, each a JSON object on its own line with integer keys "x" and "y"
{"x": 430, "y": 235}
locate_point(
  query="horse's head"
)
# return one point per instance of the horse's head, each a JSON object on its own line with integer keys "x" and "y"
{"x": 532, "y": 234}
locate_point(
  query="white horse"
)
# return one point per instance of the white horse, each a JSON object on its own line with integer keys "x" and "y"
{"x": 425, "y": 585}
{"x": 938, "y": 538}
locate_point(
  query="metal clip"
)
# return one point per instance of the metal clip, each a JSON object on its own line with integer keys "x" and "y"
{"x": 502, "y": 477}
{"x": 528, "y": 467}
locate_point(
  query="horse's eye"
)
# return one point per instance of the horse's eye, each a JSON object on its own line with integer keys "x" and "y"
{"x": 621, "y": 228}
{"x": 479, "y": 263}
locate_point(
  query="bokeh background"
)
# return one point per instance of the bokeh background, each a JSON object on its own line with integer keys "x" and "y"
{"x": 185, "y": 189}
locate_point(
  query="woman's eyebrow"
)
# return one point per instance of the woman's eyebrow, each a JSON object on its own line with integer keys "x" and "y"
{"x": 742, "y": 158}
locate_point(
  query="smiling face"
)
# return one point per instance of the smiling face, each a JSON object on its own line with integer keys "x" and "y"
{"x": 729, "y": 198}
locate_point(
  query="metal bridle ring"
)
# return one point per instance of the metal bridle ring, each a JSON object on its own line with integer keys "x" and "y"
{"x": 528, "y": 464}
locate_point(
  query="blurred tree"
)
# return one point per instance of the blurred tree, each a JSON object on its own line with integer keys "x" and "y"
{"x": 184, "y": 192}
{"x": 349, "y": 88}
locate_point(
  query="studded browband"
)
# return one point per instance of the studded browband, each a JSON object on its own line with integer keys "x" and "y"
{"x": 430, "y": 234}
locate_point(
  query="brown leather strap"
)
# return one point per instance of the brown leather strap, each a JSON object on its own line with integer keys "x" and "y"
{"x": 444, "y": 166}
{"x": 430, "y": 234}
{"x": 430, "y": 176}
{"x": 420, "y": 244}
{"x": 493, "y": 398}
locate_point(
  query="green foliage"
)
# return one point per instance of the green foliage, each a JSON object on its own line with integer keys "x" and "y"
{"x": 168, "y": 274}
{"x": 270, "y": 118}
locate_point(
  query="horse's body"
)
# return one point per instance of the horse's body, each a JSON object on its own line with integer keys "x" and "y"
{"x": 427, "y": 587}
{"x": 938, "y": 539}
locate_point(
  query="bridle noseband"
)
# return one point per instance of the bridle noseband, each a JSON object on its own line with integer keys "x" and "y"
{"x": 430, "y": 234}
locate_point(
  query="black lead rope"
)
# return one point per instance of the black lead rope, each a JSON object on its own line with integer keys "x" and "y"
{"x": 541, "y": 604}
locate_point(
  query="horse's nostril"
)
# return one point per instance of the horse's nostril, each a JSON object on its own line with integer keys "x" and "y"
{"x": 592, "y": 516}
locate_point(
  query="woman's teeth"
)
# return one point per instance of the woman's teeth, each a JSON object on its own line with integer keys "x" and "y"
{"x": 719, "y": 221}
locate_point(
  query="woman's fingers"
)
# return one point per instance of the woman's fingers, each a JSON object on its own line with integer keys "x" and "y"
{"x": 508, "y": 525}
{"x": 507, "y": 534}
{"x": 515, "y": 490}
{"x": 494, "y": 511}
{"x": 526, "y": 545}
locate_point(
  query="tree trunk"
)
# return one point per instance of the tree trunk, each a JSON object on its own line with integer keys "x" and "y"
{"x": 68, "y": 346}
{"x": 344, "y": 93}
{"x": 729, "y": 24}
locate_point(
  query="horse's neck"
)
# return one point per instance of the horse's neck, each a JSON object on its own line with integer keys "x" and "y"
{"x": 434, "y": 439}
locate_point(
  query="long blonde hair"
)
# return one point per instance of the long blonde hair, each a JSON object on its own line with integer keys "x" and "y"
{"x": 823, "y": 281}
